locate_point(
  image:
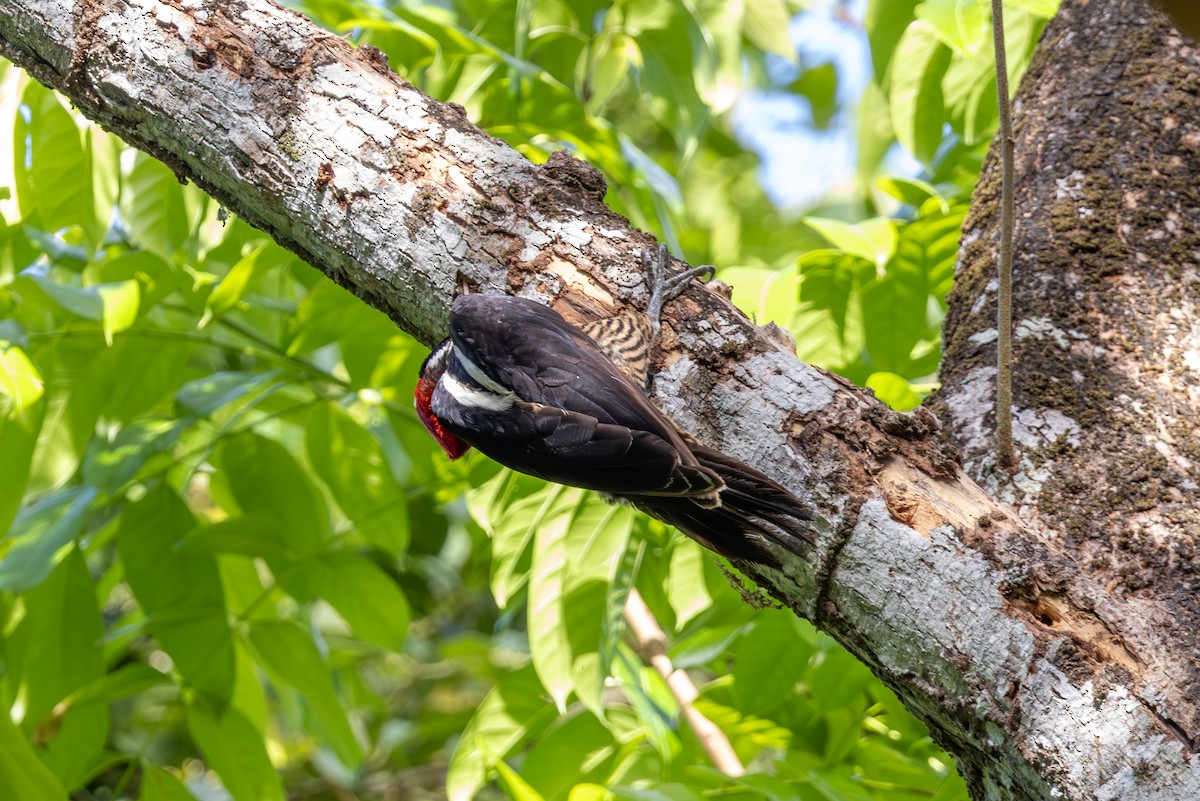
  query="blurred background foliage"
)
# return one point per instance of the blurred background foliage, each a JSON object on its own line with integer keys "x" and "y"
{"x": 235, "y": 565}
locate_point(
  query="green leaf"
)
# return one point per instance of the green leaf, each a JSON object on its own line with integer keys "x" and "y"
{"x": 18, "y": 441}
{"x": 235, "y": 749}
{"x": 120, "y": 304}
{"x": 255, "y": 534}
{"x": 289, "y": 653}
{"x": 59, "y": 171}
{"x": 103, "y": 151}
{"x": 836, "y": 679}
{"x": 159, "y": 785}
{"x": 156, "y": 279}
{"x": 915, "y": 97}
{"x": 22, "y": 774}
{"x": 873, "y": 239}
{"x": 686, "y": 587}
{"x": 124, "y": 682}
{"x": 885, "y": 22}
{"x": 21, "y": 384}
{"x": 657, "y": 709}
{"x": 108, "y": 465}
{"x": 510, "y": 714}
{"x": 180, "y": 592}
{"x": 768, "y": 662}
{"x": 766, "y": 295}
{"x": 912, "y": 191}
{"x": 548, "y": 642}
{"x": 1041, "y": 8}
{"x": 204, "y": 396}
{"x": 517, "y": 788}
{"x": 519, "y": 511}
{"x": 767, "y": 27}
{"x": 153, "y": 207}
{"x": 364, "y": 595}
{"x": 612, "y": 55}
{"x": 113, "y": 305}
{"x": 819, "y": 86}
{"x": 57, "y": 642}
{"x": 328, "y": 314}
{"x": 894, "y": 391}
{"x": 263, "y": 476}
{"x": 351, "y": 464}
{"x": 964, "y": 25}
{"x": 598, "y": 536}
{"x": 41, "y": 535}
{"x": 829, "y": 321}
{"x": 240, "y": 278}
{"x": 578, "y": 748}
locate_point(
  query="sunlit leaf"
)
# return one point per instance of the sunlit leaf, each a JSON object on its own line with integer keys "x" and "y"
{"x": 263, "y": 476}
{"x": 894, "y": 391}
{"x": 22, "y": 774}
{"x": 18, "y": 440}
{"x": 512, "y": 712}
{"x": 915, "y": 95}
{"x": 240, "y": 279}
{"x": 40, "y": 536}
{"x": 159, "y": 785}
{"x": 962, "y": 24}
{"x": 55, "y": 666}
{"x": 21, "y": 384}
{"x": 364, "y": 595}
{"x": 872, "y": 240}
{"x": 351, "y": 464}
{"x": 769, "y": 661}
{"x": 288, "y": 651}
{"x": 236, "y": 751}
{"x": 59, "y": 171}
{"x": 108, "y": 465}
{"x": 153, "y": 207}
{"x": 516, "y": 787}
{"x": 767, "y": 27}
{"x": 180, "y": 592}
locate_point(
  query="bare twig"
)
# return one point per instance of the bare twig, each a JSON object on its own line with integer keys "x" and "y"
{"x": 653, "y": 644}
{"x": 1005, "y": 455}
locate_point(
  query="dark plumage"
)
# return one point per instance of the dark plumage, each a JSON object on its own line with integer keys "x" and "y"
{"x": 539, "y": 395}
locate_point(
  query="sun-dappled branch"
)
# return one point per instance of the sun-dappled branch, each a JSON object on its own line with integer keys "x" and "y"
{"x": 1031, "y": 672}
{"x": 650, "y": 640}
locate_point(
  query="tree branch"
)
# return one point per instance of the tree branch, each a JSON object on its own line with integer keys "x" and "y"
{"x": 653, "y": 643}
{"x": 941, "y": 590}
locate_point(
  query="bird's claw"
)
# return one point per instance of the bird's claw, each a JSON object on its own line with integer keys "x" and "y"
{"x": 665, "y": 287}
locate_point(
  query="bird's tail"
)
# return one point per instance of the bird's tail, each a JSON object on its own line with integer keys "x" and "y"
{"x": 754, "y": 510}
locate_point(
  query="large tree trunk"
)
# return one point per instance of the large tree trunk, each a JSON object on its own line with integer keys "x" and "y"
{"x": 1045, "y": 675}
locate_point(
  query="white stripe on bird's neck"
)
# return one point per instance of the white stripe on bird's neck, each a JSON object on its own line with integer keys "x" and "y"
{"x": 478, "y": 375}
{"x": 473, "y": 397}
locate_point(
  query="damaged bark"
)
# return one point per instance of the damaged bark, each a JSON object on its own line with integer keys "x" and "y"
{"x": 1027, "y": 663}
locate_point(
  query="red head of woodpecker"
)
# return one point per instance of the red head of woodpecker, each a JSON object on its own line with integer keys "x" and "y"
{"x": 431, "y": 373}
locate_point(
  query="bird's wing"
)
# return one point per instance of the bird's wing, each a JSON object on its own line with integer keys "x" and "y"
{"x": 559, "y": 372}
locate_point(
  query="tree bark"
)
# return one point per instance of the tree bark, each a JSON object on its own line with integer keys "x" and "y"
{"x": 1040, "y": 678}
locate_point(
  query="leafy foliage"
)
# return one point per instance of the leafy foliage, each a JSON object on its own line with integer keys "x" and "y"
{"x": 233, "y": 555}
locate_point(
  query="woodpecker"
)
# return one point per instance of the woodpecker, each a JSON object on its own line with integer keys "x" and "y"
{"x": 565, "y": 403}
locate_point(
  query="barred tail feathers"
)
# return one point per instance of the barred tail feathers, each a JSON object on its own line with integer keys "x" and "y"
{"x": 753, "y": 511}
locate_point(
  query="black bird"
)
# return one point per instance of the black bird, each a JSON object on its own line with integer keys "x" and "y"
{"x": 547, "y": 398}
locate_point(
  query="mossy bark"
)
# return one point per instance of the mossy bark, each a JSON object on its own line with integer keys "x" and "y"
{"x": 1107, "y": 331}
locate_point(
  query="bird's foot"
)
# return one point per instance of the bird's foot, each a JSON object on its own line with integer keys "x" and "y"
{"x": 665, "y": 287}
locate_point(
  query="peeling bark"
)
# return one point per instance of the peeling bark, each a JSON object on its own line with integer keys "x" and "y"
{"x": 1040, "y": 680}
